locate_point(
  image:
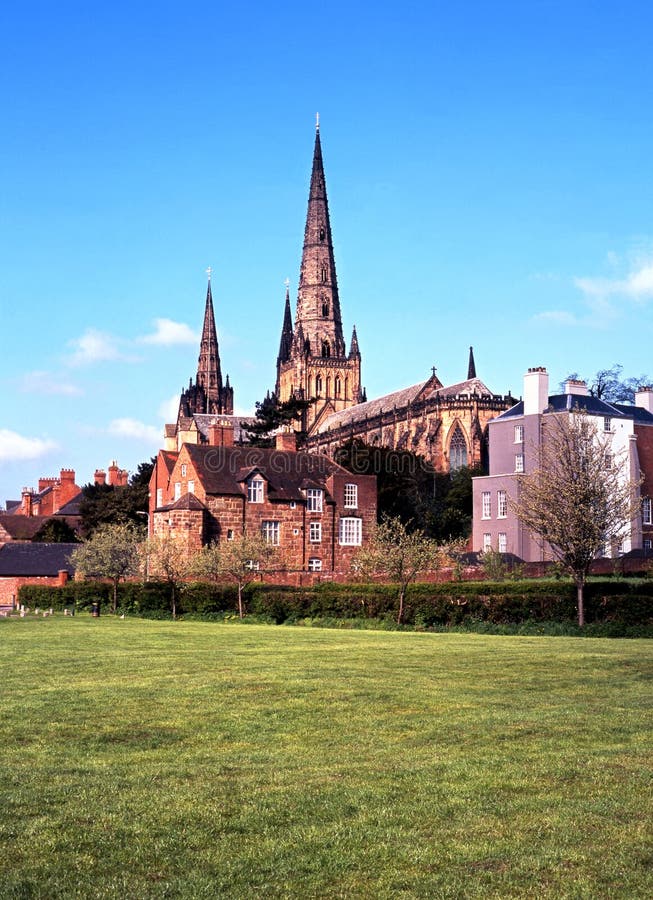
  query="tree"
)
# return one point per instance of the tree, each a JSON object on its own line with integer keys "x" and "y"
{"x": 107, "y": 504}
{"x": 238, "y": 562}
{"x": 56, "y": 531}
{"x": 271, "y": 414}
{"x": 397, "y": 554}
{"x": 579, "y": 498}
{"x": 608, "y": 384}
{"x": 112, "y": 552}
{"x": 437, "y": 503}
{"x": 167, "y": 556}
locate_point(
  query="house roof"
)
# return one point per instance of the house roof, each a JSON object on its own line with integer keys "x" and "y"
{"x": 565, "y": 402}
{"x": 72, "y": 508}
{"x": 638, "y": 413}
{"x": 222, "y": 470}
{"x": 186, "y": 501}
{"x": 35, "y": 559}
{"x": 22, "y": 528}
{"x": 430, "y": 389}
{"x": 204, "y": 421}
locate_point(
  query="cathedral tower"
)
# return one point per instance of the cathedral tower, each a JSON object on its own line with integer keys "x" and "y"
{"x": 208, "y": 394}
{"x": 313, "y": 363}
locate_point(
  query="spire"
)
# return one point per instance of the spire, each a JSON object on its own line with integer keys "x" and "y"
{"x": 209, "y": 376}
{"x": 318, "y": 304}
{"x": 471, "y": 368}
{"x": 354, "y": 352}
{"x": 285, "y": 345}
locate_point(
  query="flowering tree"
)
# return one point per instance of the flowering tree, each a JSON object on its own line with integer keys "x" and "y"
{"x": 396, "y": 554}
{"x": 167, "y": 557}
{"x": 112, "y": 552}
{"x": 238, "y": 562}
{"x": 580, "y": 497}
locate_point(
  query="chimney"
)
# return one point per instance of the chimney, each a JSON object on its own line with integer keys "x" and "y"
{"x": 46, "y": 483}
{"x": 536, "y": 391}
{"x": 26, "y": 504}
{"x": 576, "y": 387}
{"x": 67, "y": 476}
{"x": 100, "y": 477}
{"x": 221, "y": 433}
{"x": 644, "y": 398}
{"x": 62, "y": 577}
{"x": 286, "y": 440}
{"x": 113, "y": 473}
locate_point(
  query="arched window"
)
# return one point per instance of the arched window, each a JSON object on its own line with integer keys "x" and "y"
{"x": 457, "y": 450}
{"x": 325, "y": 309}
{"x": 328, "y": 386}
{"x": 325, "y": 274}
{"x": 338, "y": 387}
{"x": 326, "y": 349}
{"x": 318, "y": 385}
{"x": 322, "y": 234}
{"x": 346, "y": 389}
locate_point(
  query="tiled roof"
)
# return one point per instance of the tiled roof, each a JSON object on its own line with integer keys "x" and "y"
{"x": 72, "y": 508}
{"x": 35, "y": 559}
{"x": 204, "y": 421}
{"x": 22, "y": 528}
{"x": 639, "y": 414}
{"x": 563, "y": 402}
{"x": 186, "y": 501}
{"x": 402, "y": 399}
{"x": 169, "y": 458}
{"x": 221, "y": 468}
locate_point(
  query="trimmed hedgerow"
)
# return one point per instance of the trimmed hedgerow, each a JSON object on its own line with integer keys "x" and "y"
{"x": 620, "y": 602}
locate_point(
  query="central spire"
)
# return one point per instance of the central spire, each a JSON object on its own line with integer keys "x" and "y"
{"x": 209, "y": 375}
{"x": 318, "y": 304}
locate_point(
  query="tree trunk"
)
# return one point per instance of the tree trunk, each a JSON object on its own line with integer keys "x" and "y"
{"x": 240, "y": 600}
{"x": 115, "y": 596}
{"x": 400, "y": 614}
{"x": 580, "y": 587}
{"x": 174, "y": 601}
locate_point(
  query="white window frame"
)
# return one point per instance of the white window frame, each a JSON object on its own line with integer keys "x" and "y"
{"x": 314, "y": 564}
{"x": 502, "y": 504}
{"x": 159, "y": 497}
{"x": 350, "y": 531}
{"x": 519, "y": 462}
{"x": 519, "y": 434}
{"x": 648, "y": 544}
{"x": 351, "y": 496}
{"x": 647, "y": 511}
{"x": 486, "y": 505}
{"x": 191, "y": 487}
{"x": 314, "y": 498}
{"x": 315, "y": 532}
{"x": 230, "y": 534}
{"x": 255, "y": 490}
{"x": 487, "y": 542}
{"x": 253, "y": 564}
{"x": 177, "y": 490}
{"x": 503, "y": 542}
{"x": 271, "y": 531}
{"x": 607, "y": 423}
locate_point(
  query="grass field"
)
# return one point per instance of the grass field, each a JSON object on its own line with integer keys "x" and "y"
{"x": 158, "y": 759}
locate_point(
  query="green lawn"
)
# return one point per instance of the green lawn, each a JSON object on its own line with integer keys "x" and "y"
{"x": 158, "y": 759}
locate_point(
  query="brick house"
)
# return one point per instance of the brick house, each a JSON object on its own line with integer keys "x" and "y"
{"x": 317, "y": 513}
{"x": 514, "y": 441}
{"x": 25, "y": 563}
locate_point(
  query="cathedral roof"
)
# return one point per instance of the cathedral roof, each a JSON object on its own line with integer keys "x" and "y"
{"x": 430, "y": 389}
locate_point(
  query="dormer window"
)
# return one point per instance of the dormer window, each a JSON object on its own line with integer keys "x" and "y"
{"x": 314, "y": 499}
{"x": 255, "y": 490}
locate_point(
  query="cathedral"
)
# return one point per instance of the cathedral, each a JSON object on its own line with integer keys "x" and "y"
{"x": 445, "y": 424}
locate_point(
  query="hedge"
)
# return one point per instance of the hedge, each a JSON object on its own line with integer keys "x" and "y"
{"x": 619, "y": 601}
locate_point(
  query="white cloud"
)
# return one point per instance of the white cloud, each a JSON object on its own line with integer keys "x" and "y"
{"x": 556, "y": 317}
{"x": 14, "y": 446}
{"x": 168, "y": 332}
{"x": 637, "y": 284}
{"x": 41, "y": 382}
{"x": 168, "y": 409}
{"x": 132, "y": 428}
{"x": 93, "y": 346}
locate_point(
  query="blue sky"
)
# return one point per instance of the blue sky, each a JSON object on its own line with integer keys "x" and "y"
{"x": 489, "y": 177}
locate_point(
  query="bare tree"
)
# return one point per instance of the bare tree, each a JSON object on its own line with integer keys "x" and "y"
{"x": 167, "y": 557}
{"x": 238, "y": 562}
{"x": 396, "y": 554}
{"x": 609, "y": 385}
{"x": 580, "y": 497}
{"x": 112, "y": 552}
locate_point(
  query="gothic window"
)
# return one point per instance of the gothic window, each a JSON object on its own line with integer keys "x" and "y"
{"x": 338, "y": 387}
{"x": 328, "y": 387}
{"x": 322, "y": 234}
{"x": 324, "y": 274}
{"x": 457, "y": 450}
{"x": 325, "y": 310}
{"x": 326, "y": 349}
{"x": 346, "y": 389}
{"x": 318, "y": 385}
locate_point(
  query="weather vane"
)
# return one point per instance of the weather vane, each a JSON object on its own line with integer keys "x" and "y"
{"x": 317, "y": 121}
{"x": 209, "y": 272}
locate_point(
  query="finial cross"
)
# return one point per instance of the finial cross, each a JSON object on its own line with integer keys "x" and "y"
{"x": 317, "y": 121}
{"x": 434, "y": 370}
{"x": 209, "y": 272}
{"x": 287, "y": 283}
